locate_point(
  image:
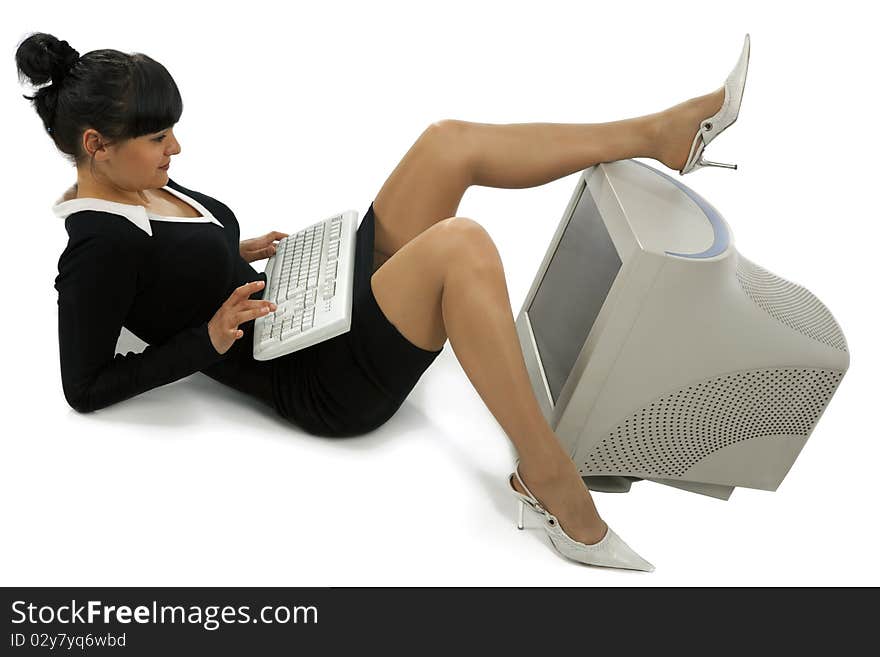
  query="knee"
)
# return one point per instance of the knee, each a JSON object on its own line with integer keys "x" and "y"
{"x": 449, "y": 138}
{"x": 446, "y": 129}
{"x": 468, "y": 245}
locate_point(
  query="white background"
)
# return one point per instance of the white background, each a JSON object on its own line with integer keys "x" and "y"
{"x": 296, "y": 110}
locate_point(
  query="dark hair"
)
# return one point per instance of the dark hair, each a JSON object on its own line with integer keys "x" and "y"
{"x": 120, "y": 95}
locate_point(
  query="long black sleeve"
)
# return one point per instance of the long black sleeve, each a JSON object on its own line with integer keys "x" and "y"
{"x": 97, "y": 285}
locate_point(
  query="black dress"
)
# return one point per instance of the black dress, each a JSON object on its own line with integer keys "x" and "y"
{"x": 344, "y": 386}
{"x": 164, "y": 280}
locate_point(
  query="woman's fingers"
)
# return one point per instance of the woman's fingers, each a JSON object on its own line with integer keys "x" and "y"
{"x": 247, "y": 311}
{"x": 223, "y": 327}
{"x": 244, "y": 291}
{"x": 240, "y": 308}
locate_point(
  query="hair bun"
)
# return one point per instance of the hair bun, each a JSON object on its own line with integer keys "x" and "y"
{"x": 42, "y": 57}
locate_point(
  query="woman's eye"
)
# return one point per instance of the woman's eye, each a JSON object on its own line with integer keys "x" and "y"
{"x": 159, "y": 138}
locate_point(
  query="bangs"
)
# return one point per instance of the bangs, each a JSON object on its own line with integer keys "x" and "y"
{"x": 155, "y": 102}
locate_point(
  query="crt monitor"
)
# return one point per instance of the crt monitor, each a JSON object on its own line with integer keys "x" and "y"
{"x": 658, "y": 352}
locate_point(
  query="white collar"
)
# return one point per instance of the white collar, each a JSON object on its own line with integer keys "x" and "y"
{"x": 136, "y": 214}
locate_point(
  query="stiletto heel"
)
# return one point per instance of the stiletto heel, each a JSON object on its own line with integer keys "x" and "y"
{"x": 611, "y": 551}
{"x": 707, "y": 163}
{"x": 724, "y": 118}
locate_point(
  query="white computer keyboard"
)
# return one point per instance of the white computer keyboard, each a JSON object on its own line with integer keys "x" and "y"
{"x": 310, "y": 279}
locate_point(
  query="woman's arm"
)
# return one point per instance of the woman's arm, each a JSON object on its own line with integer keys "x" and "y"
{"x": 96, "y": 286}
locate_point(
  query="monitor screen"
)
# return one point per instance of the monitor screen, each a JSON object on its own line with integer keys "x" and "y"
{"x": 572, "y": 291}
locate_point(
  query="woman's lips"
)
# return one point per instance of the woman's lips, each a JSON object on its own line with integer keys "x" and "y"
{"x": 166, "y": 166}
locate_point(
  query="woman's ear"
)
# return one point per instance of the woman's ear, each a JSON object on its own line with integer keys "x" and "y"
{"x": 94, "y": 145}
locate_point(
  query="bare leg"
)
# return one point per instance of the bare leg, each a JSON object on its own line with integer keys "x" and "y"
{"x": 429, "y": 291}
{"x": 450, "y": 156}
{"x": 530, "y": 154}
{"x": 519, "y": 155}
{"x": 449, "y": 281}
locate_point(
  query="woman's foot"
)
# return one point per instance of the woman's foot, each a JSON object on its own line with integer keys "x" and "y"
{"x": 566, "y": 497}
{"x": 677, "y": 126}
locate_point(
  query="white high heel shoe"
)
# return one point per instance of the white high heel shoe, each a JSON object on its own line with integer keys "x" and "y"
{"x": 611, "y": 551}
{"x": 723, "y": 119}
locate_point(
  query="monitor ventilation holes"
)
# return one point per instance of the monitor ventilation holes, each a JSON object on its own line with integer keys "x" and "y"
{"x": 676, "y": 431}
{"x": 789, "y": 303}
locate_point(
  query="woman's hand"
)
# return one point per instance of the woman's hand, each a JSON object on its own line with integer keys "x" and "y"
{"x": 237, "y": 309}
{"x": 259, "y": 248}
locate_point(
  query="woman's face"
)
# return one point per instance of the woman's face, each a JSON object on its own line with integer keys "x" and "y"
{"x": 137, "y": 164}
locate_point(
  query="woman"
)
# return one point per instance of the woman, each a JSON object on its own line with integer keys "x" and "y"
{"x": 176, "y": 274}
